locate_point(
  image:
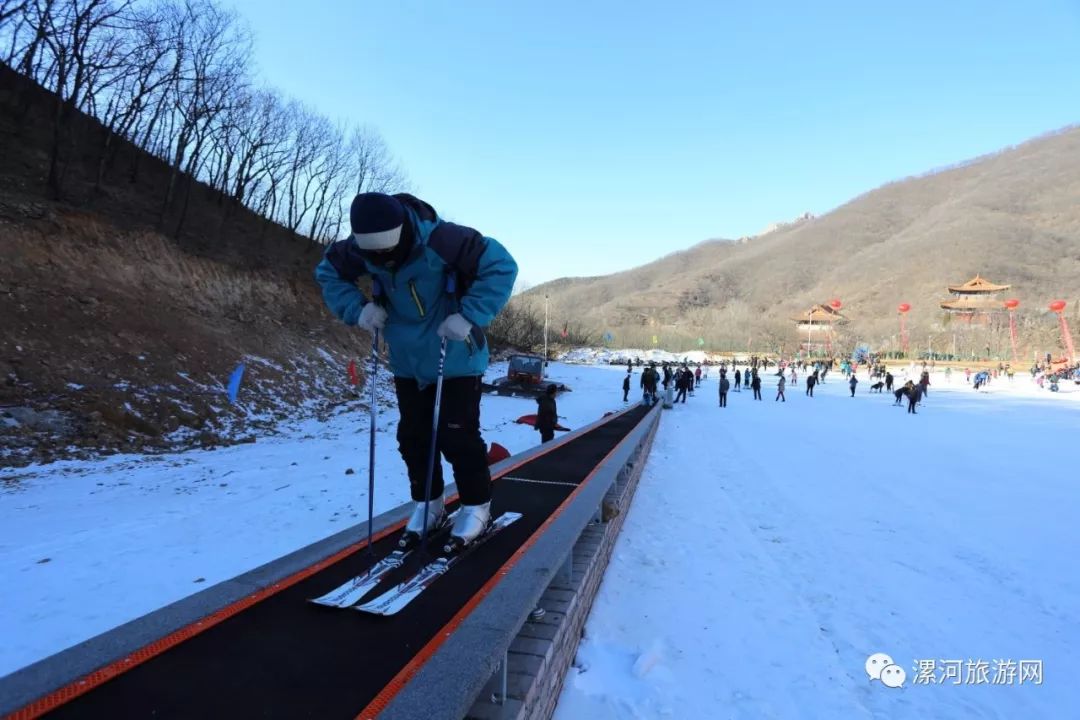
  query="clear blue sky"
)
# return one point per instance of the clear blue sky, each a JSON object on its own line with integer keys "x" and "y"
{"x": 591, "y": 137}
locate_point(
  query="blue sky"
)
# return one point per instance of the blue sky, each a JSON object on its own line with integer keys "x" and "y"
{"x": 591, "y": 137}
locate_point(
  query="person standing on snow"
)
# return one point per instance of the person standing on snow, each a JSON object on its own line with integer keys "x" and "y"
{"x": 649, "y": 380}
{"x": 738, "y": 380}
{"x": 852, "y": 383}
{"x": 811, "y": 381}
{"x": 723, "y": 389}
{"x": 914, "y": 396}
{"x": 755, "y": 385}
{"x": 626, "y": 388}
{"x": 780, "y": 388}
{"x": 412, "y": 255}
{"x": 683, "y": 378}
{"x": 888, "y": 381}
{"x": 547, "y": 414}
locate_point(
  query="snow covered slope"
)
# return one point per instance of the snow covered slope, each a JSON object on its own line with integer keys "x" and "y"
{"x": 772, "y": 547}
{"x": 86, "y": 546}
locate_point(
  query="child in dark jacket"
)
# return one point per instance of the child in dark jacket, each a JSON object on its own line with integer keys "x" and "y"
{"x": 547, "y": 414}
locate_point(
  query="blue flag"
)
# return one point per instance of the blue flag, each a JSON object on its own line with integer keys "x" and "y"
{"x": 234, "y": 382}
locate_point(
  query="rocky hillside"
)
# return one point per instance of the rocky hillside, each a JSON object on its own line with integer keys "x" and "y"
{"x": 1012, "y": 216}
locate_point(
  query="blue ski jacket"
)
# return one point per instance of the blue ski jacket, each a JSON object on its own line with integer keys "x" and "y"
{"x": 451, "y": 268}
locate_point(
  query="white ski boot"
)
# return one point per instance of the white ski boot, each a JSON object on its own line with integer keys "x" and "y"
{"x": 436, "y": 517}
{"x": 470, "y": 523}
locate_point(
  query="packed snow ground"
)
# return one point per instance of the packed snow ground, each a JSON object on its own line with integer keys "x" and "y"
{"x": 770, "y": 549}
{"x": 773, "y": 547}
{"x": 134, "y": 533}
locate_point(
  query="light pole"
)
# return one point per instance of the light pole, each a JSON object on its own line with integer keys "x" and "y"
{"x": 543, "y": 367}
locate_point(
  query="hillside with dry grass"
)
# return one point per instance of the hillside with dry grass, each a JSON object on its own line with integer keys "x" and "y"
{"x": 116, "y": 337}
{"x": 1013, "y": 217}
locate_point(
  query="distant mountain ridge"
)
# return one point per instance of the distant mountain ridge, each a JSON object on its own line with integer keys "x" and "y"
{"x": 1013, "y": 217}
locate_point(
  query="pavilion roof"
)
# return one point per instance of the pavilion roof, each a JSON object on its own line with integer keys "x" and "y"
{"x": 822, "y": 314}
{"x": 976, "y": 285}
{"x": 972, "y": 304}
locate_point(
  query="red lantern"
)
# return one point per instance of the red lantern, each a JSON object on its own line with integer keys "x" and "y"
{"x": 836, "y": 304}
{"x": 1012, "y": 304}
{"x": 1058, "y": 306}
{"x": 904, "y": 307}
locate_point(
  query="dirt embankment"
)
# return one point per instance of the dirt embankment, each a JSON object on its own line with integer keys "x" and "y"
{"x": 117, "y": 340}
{"x": 120, "y": 324}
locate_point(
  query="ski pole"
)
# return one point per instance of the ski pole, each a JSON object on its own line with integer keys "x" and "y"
{"x": 434, "y": 441}
{"x": 371, "y": 447}
{"x": 451, "y": 290}
{"x": 376, "y": 296}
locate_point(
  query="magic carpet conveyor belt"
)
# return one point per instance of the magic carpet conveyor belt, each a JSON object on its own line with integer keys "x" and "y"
{"x": 276, "y": 655}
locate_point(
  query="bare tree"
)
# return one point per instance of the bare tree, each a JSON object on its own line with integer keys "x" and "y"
{"x": 309, "y": 135}
{"x": 10, "y": 9}
{"x": 78, "y": 38}
{"x": 12, "y": 26}
{"x": 373, "y": 168}
{"x": 147, "y": 57}
{"x": 211, "y": 64}
{"x": 170, "y": 76}
{"x": 326, "y": 215}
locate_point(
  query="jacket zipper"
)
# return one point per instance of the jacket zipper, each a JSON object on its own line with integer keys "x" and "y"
{"x": 416, "y": 298}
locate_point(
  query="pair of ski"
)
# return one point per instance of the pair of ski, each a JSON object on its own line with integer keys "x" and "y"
{"x": 393, "y": 600}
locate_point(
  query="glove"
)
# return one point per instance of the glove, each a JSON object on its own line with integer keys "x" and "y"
{"x": 455, "y": 327}
{"x": 372, "y": 318}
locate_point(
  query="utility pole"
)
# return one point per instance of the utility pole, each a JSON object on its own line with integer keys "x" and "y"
{"x": 544, "y": 367}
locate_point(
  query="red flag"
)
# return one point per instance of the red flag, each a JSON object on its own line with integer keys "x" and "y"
{"x": 531, "y": 420}
{"x": 354, "y": 378}
{"x": 565, "y": 331}
{"x": 497, "y": 453}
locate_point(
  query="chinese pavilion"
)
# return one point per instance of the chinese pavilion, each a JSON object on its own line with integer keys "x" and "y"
{"x": 977, "y": 299}
{"x": 815, "y": 327}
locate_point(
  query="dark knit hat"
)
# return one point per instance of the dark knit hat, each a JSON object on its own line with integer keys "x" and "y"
{"x": 376, "y": 221}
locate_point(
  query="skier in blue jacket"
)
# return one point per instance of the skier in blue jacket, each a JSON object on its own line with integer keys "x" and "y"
{"x": 433, "y": 280}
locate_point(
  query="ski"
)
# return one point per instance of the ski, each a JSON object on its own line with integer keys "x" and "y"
{"x": 397, "y": 598}
{"x": 352, "y": 591}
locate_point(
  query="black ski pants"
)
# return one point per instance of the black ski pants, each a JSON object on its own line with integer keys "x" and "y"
{"x": 626, "y": 394}
{"x": 757, "y": 393}
{"x": 723, "y": 399}
{"x": 681, "y": 394}
{"x": 547, "y": 434}
{"x": 459, "y": 439}
{"x": 911, "y": 404}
